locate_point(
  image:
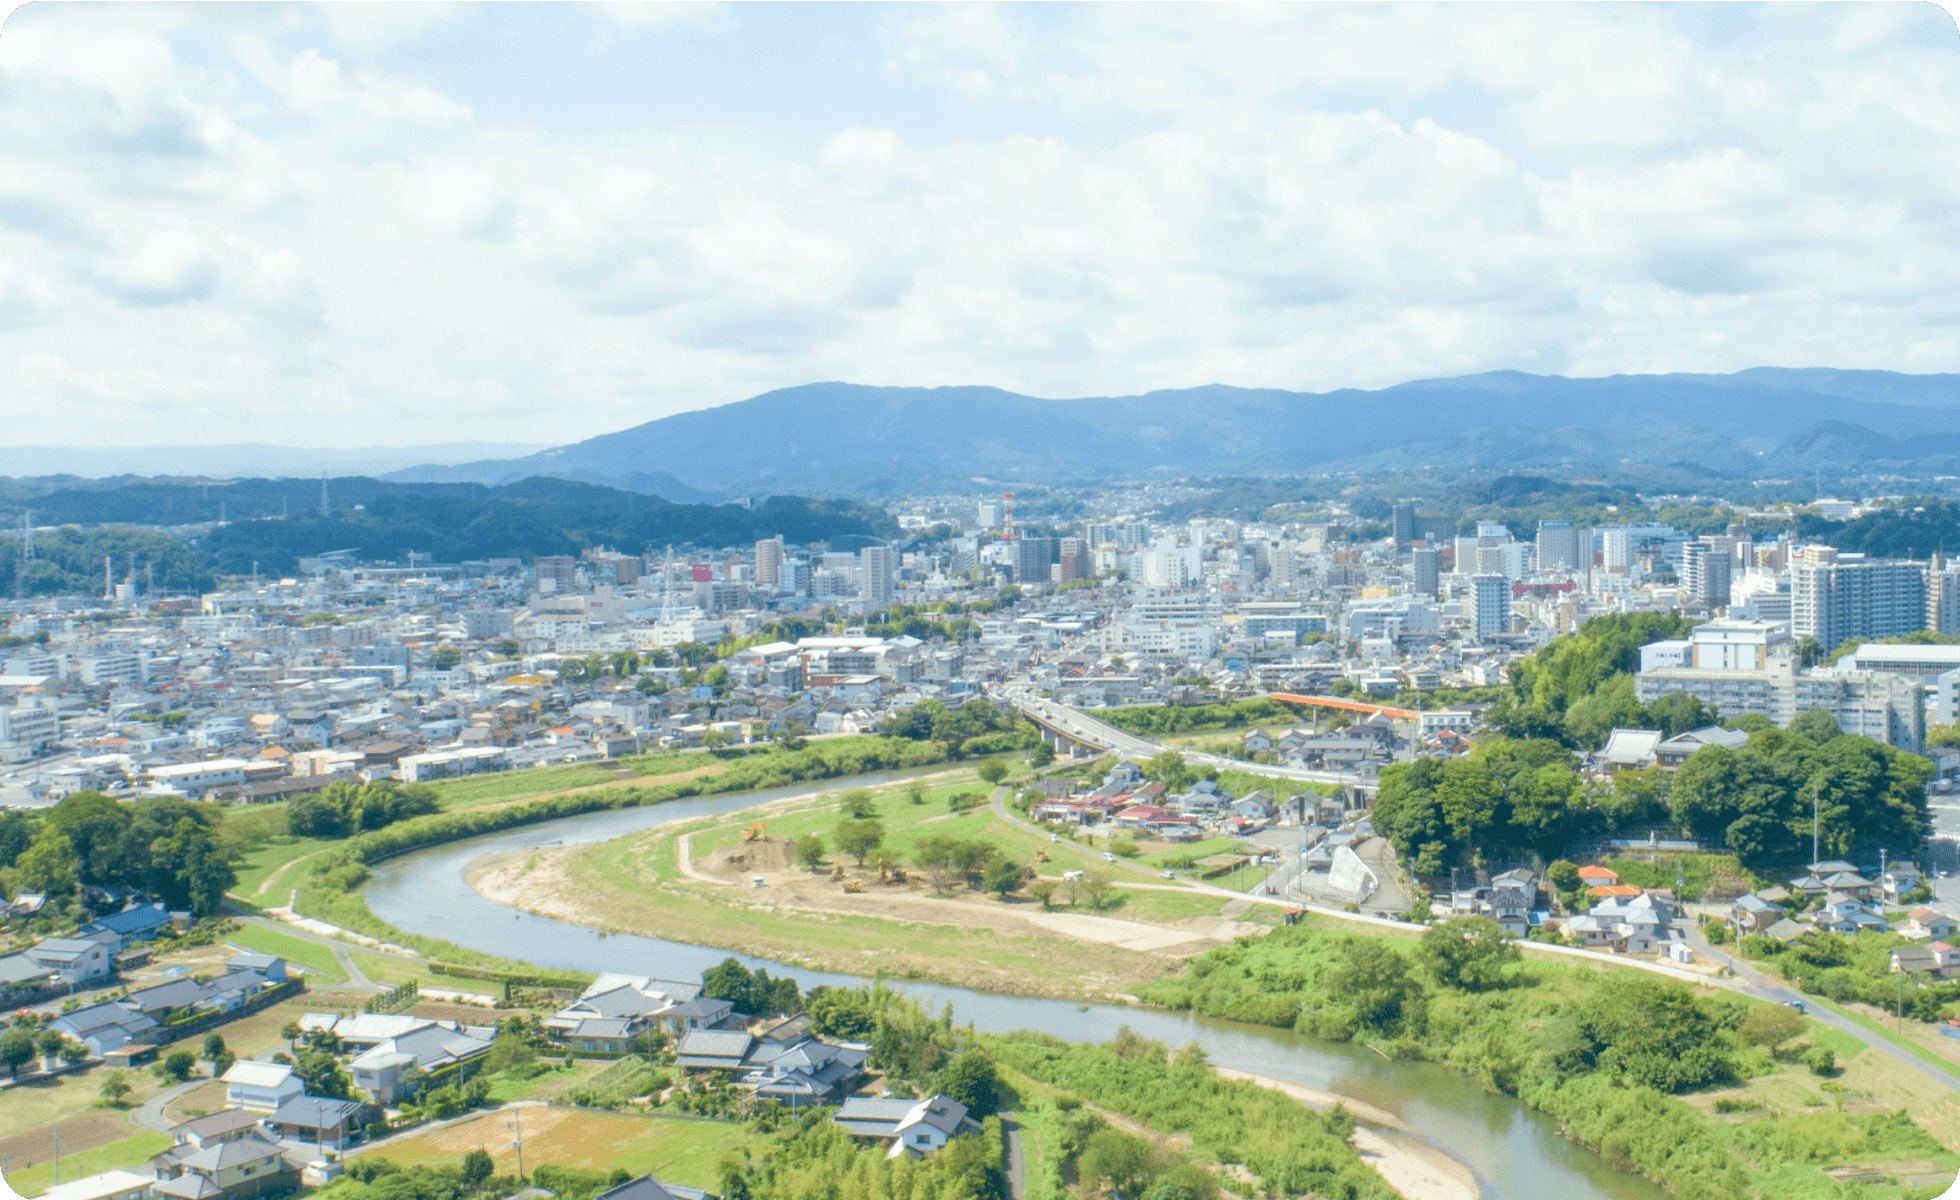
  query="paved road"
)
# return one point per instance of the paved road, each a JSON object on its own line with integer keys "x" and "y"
{"x": 355, "y": 976}
{"x": 1752, "y": 982}
{"x": 150, "y": 1114}
{"x": 1016, "y": 1162}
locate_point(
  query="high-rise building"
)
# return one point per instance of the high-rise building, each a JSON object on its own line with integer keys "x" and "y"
{"x": 769, "y": 562}
{"x": 1074, "y": 560}
{"x": 560, "y": 570}
{"x": 1616, "y": 549}
{"x": 1402, "y": 519}
{"x": 1101, "y": 535}
{"x": 1835, "y": 597}
{"x": 875, "y": 585}
{"x": 1705, "y": 573}
{"x": 1562, "y": 546}
{"x": 1490, "y": 605}
{"x": 1426, "y": 580}
{"x": 987, "y": 515}
{"x": 1943, "y": 597}
{"x": 1032, "y": 558}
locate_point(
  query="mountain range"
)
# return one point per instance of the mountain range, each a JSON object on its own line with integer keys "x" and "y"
{"x": 854, "y": 440}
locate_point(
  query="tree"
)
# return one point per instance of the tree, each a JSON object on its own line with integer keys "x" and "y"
{"x": 48, "y": 1042}
{"x": 476, "y": 1167}
{"x": 115, "y": 1085}
{"x": 1769, "y": 1026}
{"x": 1116, "y": 1156}
{"x": 1375, "y": 981}
{"x": 970, "y": 1079}
{"x": 1470, "y": 953}
{"x": 1652, "y": 1032}
{"x": 1564, "y": 878}
{"x": 993, "y": 771}
{"x": 176, "y": 1067}
{"x": 859, "y": 838}
{"x": 45, "y": 866}
{"x": 1044, "y": 891}
{"x": 809, "y": 851}
{"x": 1004, "y": 878}
{"x": 16, "y": 1048}
{"x": 846, "y": 1013}
{"x": 1096, "y": 887}
{"x": 445, "y": 657}
{"x": 1042, "y": 755}
{"x": 203, "y": 873}
{"x": 1818, "y": 724}
{"x": 1821, "y": 1060}
{"x": 74, "y": 1053}
{"x": 857, "y": 803}
{"x": 214, "y": 1044}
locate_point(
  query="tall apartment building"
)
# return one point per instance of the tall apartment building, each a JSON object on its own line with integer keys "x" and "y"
{"x": 1834, "y": 597}
{"x": 1074, "y": 560}
{"x": 1490, "y": 605}
{"x": 1032, "y": 558}
{"x": 1943, "y": 597}
{"x": 769, "y": 562}
{"x": 988, "y": 515}
{"x": 1101, "y": 535}
{"x": 875, "y": 587}
{"x": 560, "y": 570}
{"x": 1427, "y": 578}
{"x": 1616, "y": 549}
{"x": 1705, "y": 573}
{"x": 1402, "y": 518}
{"x": 1562, "y": 546}
{"x": 1743, "y": 667}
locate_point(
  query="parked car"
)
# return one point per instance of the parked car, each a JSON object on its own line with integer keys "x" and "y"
{"x": 1108, "y": 857}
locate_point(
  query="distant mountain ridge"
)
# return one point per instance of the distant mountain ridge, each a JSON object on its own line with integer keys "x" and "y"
{"x": 851, "y": 439}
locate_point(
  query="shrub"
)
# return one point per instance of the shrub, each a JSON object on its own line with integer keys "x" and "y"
{"x": 1821, "y": 1060}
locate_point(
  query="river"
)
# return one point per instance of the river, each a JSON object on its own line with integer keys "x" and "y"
{"x": 1515, "y": 1153}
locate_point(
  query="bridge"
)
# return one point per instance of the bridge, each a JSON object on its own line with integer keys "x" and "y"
{"x": 1064, "y": 725}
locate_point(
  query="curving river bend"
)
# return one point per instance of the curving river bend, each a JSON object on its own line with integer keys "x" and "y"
{"x": 1515, "y": 1153}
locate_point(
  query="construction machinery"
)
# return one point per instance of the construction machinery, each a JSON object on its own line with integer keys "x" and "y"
{"x": 756, "y": 833}
{"x": 837, "y": 869}
{"x": 853, "y": 886}
{"x": 890, "y": 872}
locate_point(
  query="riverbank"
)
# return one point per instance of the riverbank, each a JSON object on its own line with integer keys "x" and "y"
{"x": 692, "y": 881}
{"x": 1411, "y": 1165}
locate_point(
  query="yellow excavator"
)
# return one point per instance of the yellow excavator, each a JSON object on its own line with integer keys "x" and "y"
{"x": 890, "y": 872}
{"x": 755, "y": 833}
{"x": 853, "y": 886}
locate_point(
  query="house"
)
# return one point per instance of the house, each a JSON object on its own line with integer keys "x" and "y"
{"x": 1900, "y": 879}
{"x": 1675, "y": 750}
{"x": 1753, "y": 914}
{"x": 137, "y": 923}
{"x": 1947, "y": 957}
{"x": 714, "y": 1050}
{"x": 199, "y": 1133}
{"x": 605, "y": 1034}
{"x": 1521, "y": 879}
{"x": 1914, "y": 960}
{"x": 269, "y": 967}
{"x": 164, "y": 998}
{"x": 1928, "y": 923}
{"x": 1510, "y": 907}
{"x": 646, "y": 1187}
{"x": 318, "y": 1122}
{"x": 110, "y": 1185}
{"x": 1628, "y": 750}
{"x": 19, "y": 973}
{"x": 915, "y": 1128}
{"x": 1845, "y": 913}
{"x": 1853, "y": 883}
{"x": 1258, "y": 741}
{"x": 261, "y": 1087}
{"x": 431, "y": 1046}
{"x": 812, "y": 1071}
{"x": 252, "y": 1165}
{"x": 103, "y": 1027}
{"x": 1597, "y": 876}
{"x": 701, "y": 1012}
{"x": 75, "y": 961}
{"x": 1786, "y": 931}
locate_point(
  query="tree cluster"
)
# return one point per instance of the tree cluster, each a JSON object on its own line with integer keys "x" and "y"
{"x": 341, "y": 809}
{"x": 976, "y": 728}
{"x": 162, "y": 845}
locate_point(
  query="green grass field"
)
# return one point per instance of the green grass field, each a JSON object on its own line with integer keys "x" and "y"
{"x": 474, "y": 791}
{"x": 673, "y": 1150}
{"x": 318, "y": 960}
{"x": 386, "y": 968}
{"x": 132, "y": 1153}
{"x": 262, "y": 861}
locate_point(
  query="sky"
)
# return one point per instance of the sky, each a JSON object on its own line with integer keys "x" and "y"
{"x": 393, "y": 224}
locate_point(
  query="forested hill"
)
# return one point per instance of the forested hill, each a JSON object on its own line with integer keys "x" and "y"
{"x": 379, "y": 520}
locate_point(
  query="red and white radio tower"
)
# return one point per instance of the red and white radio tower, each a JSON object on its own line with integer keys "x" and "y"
{"x": 1007, "y": 516}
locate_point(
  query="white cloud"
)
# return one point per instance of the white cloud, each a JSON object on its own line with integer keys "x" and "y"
{"x": 289, "y": 212}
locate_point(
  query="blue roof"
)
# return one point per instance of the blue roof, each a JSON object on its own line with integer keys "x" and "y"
{"x": 140, "y": 919}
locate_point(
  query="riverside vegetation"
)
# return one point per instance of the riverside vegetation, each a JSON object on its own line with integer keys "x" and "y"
{"x": 1607, "y": 1054}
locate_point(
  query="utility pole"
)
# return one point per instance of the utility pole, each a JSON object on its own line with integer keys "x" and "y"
{"x": 517, "y": 1123}
{"x": 57, "y": 1156}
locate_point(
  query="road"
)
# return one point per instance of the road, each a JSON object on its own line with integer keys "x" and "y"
{"x": 1752, "y": 982}
{"x": 1080, "y": 726}
{"x": 150, "y": 1114}
{"x": 1016, "y": 1164}
{"x": 355, "y": 976}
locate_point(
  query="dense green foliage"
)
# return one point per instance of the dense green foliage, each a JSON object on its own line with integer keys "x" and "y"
{"x": 69, "y": 562}
{"x": 1602, "y": 1053}
{"x": 1580, "y": 687}
{"x": 1505, "y": 795}
{"x": 1155, "y": 720}
{"x": 343, "y": 808}
{"x": 274, "y": 522}
{"x": 977, "y": 727}
{"x": 1291, "y": 1150}
{"x": 163, "y": 845}
{"x": 751, "y": 992}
